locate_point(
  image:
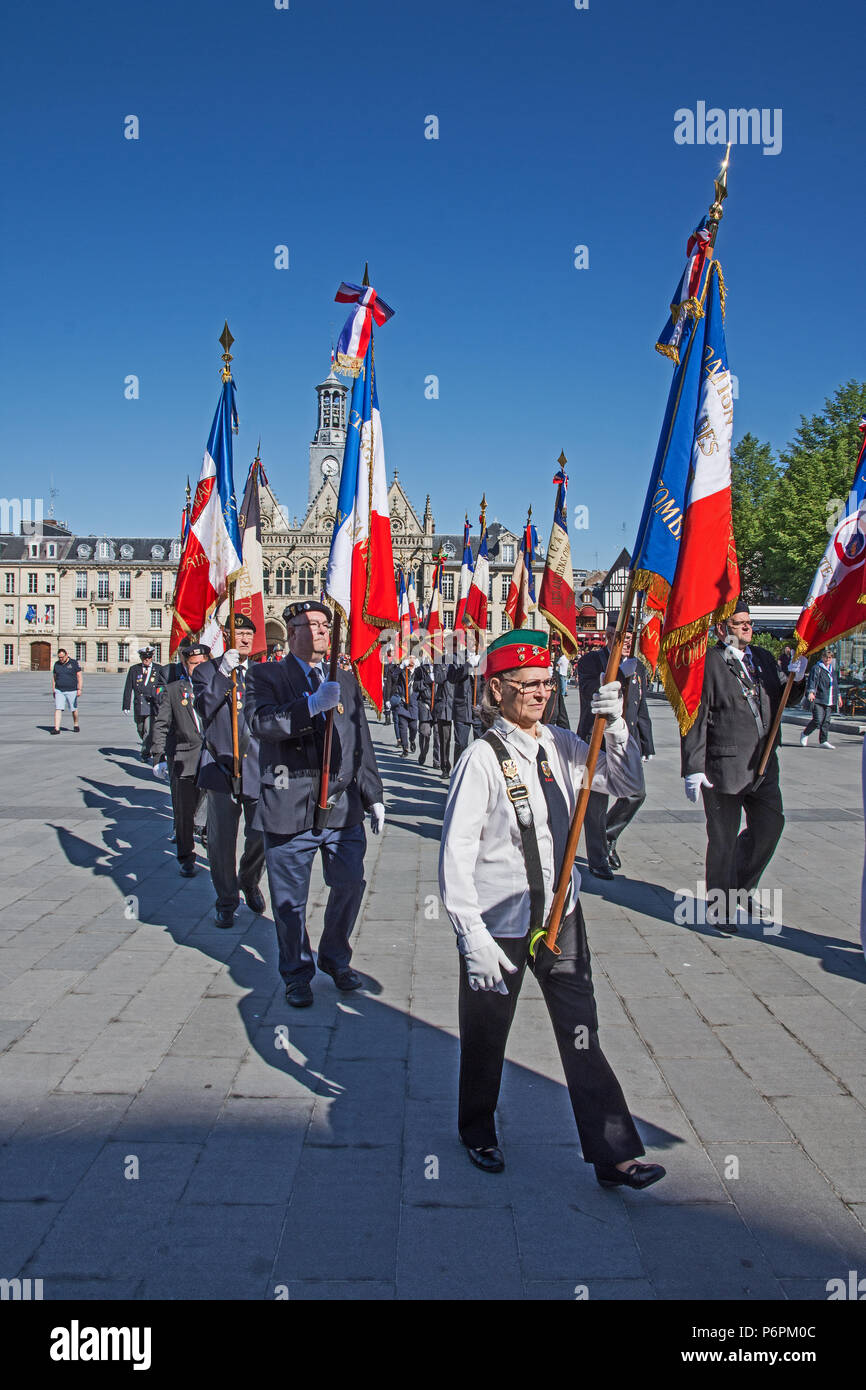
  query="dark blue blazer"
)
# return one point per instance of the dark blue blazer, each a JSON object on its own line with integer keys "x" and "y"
{"x": 213, "y": 702}
{"x": 291, "y": 742}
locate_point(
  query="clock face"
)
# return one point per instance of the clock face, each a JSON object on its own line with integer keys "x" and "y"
{"x": 329, "y": 467}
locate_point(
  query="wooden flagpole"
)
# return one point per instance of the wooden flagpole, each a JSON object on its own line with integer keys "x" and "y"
{"x": 226, "y": 341}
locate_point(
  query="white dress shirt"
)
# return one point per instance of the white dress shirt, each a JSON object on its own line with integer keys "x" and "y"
{"x": 482, "y": 874}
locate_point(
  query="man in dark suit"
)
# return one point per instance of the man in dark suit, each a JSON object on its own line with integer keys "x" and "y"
{"x": 176, "y": 747}
{"x": 423, "y": 683}
{"x": 287, "y": 705}
{"x": 604, "y": 825}
{"x": 460, "y": 676}
{"x": 720, "y": 756}
{"x": 145, "y": 683}
{"x": 212, "y": 682}
{"x": 404, "y": 706}
{"x": 443, "y": 714}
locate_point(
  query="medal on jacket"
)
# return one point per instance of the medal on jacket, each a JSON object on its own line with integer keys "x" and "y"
{"x": 545, "y": 768}
{"x": 339, "y": 709}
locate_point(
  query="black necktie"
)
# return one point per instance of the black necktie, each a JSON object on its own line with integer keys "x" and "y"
{"x": 314, "y": 678}
{"x": 557, "y": 810}
{"x": 750, "y": 664}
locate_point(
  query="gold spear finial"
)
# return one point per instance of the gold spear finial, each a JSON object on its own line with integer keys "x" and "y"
{"x": 226, "y": 340}
{"x": 483, "y": 510}
{"x": 258, "y": 457}
{"x": 562, "y": 460}
{"x": 188, "y": 490}
{"x": 366, "y": 279}
{"x": 721, "y": 191}
{"x": 529, "y": 515}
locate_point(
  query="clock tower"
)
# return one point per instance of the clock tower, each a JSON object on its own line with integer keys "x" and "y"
{"x": 329, "y": 441}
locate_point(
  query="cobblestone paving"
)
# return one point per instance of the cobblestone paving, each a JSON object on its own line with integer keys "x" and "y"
{"x": 314, "y": 1155}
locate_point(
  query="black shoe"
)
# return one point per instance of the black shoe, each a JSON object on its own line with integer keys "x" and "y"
{"x": 188, "y": 871}
{"x": 489, "y": 1159}
{"x": 600, "y": 870}
{"x": 299, "y": 995}
{"x": 637, "y": 1175}
{"x": 411, "y": 748}
{"x": 76, "y": 728}
{"x": 54, "y": 731}
{"x": 613, "y": 858}
{"x": 255, "y": 899}
{"x": 225, "y": 917}
{"x": 346, "y": 979}
{"x": 404, "y": 752}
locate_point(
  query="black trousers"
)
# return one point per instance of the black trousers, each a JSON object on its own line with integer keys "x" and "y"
{"x": 442, "y": 741}
{"x": 820, "y": 720}
{"x": 603, "y": 826}
{"x": 737, "y": 858}
{"x": 407, "y": 731}
{"x": 186, "y": 799}
{"x": 290, "y": 862}
{"x": 606, "y": 1129}
{"x": 461, "y": 737}
{"x": 424, "y": 731}
{"x": 145, "y": 733}
{"x": 223, "y": 819}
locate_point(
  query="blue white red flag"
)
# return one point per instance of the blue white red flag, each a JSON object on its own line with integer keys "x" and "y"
{"x": 434, "y": 620}
{"x": 475, "y": 607}
{"x": 212, "y": 555}
{"x": 360, "y": 576}
{"x": 404, "y": 614}
{"x": 412, "y": 596}
{"x": 556, "y": 597}
{"x": 357, "y": 330}
{"x": 834, "y": 605}
{"x": 686, "y": 305}
{"x": 466, "y": 570}
{"x": 521, "y": 595}
{"x": 706, "y": 581}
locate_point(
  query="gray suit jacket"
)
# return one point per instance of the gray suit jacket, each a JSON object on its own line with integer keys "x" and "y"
{"x": 176, "y": 735}
{"x": 291, "y": 743}
{"x": 724, "y": 741}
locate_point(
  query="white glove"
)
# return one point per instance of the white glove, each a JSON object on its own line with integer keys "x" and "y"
{"x": 126, "y": 711}
{"x": 608, "y": 701}
{"x": 799, "y": 667}
{"x": 230, "y": 660}
{"x": 473, "y": 659}
{"x": 377, "y": 817}
{"x": 326, "y": 697}
{"x": 160, "y": 771}
{"x": 694, "y": 782}
{"x": 628, "y": 667}
{"x": 485, "y": 961}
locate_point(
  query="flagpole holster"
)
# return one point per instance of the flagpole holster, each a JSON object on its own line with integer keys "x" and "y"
{"x": 322, "y": 815}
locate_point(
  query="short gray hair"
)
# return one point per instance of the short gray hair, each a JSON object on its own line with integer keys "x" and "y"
{"x": 489, "y": 707}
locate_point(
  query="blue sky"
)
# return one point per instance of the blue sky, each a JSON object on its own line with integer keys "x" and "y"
{"x": 305, "y": 127}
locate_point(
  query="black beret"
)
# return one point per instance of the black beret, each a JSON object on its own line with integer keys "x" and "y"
{"x": 305, "y": 605}
{"x": 740, "y": 607}
{"x": 194, "y": 649}
{"x": 242, "y": 623}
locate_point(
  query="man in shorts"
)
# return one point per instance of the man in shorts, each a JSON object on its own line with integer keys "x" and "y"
{"x": 66, "y": 688}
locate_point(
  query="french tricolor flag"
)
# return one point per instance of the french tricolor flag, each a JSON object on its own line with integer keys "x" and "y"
{"x": 475, "y": 609}
{"x": 412, "y": 595}
{"x": 212, "y": 554}
{"x": 466, "y": 571}
{"x": 707, "y": 578}
{"x": 358, "y": 328}
{"x": 360, "y": 579}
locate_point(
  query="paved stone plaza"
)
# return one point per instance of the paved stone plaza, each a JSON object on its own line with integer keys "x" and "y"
{"x": 314, "y": 1155}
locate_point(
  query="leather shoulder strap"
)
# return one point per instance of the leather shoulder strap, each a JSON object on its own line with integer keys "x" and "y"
{"x": 518, "y": 795}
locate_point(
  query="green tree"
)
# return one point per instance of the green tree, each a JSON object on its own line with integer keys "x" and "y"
{"x": 754, "y": 478}
{"x": 818, "y": 470}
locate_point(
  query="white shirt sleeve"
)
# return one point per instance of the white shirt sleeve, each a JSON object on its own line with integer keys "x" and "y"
{"x": 469, "y": 799}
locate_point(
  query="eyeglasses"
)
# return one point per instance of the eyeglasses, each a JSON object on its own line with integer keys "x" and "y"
{"x": 533, "y": 687}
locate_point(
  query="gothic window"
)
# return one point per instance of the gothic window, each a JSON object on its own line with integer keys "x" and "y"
{"x": 306, "y": 581}
{"x": 283, "y": 581}
{"x": 266, "y": 581}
